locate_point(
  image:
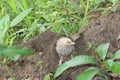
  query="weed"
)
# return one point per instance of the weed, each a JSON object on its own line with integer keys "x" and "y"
{"x": 6, "y": 24}
{"x": 89, "y": 45}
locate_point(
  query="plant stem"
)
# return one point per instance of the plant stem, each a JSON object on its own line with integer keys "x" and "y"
{"x": 8, "y": 70}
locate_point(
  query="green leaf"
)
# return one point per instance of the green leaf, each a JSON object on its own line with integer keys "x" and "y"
{"x": 14, "y": 52}
{"x": 25, "y": 4}
{"x": 4, "y": 22}
{"x": 114, "y": 2}
{"x": 47, "y": 77}
{"x": 89, "y": 74}
{"x": 10, "y": 79}
{"x": 78, "y": 60}
{"x": 102, "y": 50}
{"x": 116, "y": 55}
{"x": 42, "y": 29}
{"x": 13, "y": 5}
{"x": 49, "y": 17}
{"x": 118, "y": 37}
{"x": 59, "y": 21}
{"x": 113, "y": 66}
{"x": 20, "y": 17}
{"x": 15, "y": 57}
{"x": 4, "y": 26}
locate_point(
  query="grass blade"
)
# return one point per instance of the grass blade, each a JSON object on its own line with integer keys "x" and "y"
{"x": 4, "y": 26}
{"x": 20, "y": 17}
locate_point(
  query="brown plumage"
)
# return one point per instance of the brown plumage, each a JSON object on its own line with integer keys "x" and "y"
{"x": 64, "y": 46}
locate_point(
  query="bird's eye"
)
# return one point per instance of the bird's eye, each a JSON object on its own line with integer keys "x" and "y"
{"x": 69, "y": 42}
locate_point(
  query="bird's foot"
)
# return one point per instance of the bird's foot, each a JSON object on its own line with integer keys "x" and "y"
{"x": 60, "y": 61}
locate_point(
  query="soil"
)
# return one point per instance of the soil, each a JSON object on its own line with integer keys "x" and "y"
{"x": 103, "y": 29}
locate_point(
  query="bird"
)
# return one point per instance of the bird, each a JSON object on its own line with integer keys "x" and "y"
{"x": 64, "y": 47}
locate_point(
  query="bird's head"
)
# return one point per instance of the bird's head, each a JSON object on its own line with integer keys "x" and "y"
{"x": 65, "y": 42}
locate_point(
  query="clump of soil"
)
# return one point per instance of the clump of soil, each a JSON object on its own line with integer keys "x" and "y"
{"x": 105, "y": 28}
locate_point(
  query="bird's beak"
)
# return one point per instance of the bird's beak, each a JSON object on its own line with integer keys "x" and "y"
{"x": 72, "y": 43}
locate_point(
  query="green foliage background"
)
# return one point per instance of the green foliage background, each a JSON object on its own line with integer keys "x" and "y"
{"x": 62, "y": 16}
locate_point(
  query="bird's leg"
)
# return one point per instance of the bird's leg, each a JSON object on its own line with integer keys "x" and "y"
{"x": 71, "y": 56}
{"x": 61, "y": 60}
